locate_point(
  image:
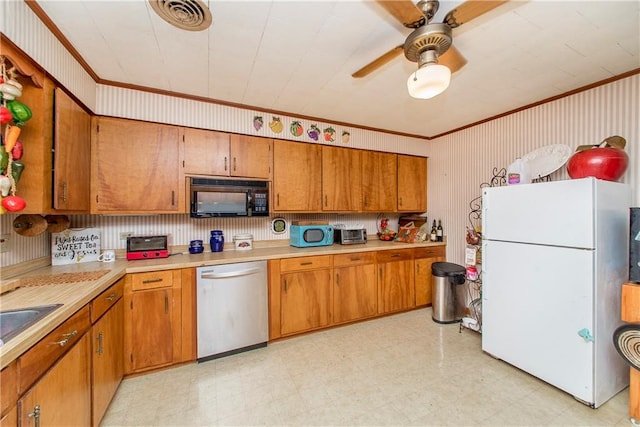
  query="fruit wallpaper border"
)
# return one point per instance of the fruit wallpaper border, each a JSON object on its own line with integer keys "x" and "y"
{"x": 296, "y": 129}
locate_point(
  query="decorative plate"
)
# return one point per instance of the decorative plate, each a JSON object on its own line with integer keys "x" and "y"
{"x": 546, "y": 160}
{"x": 278, "y": 225}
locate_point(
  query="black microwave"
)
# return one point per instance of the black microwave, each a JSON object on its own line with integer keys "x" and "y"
{"x": 228, "y": 198}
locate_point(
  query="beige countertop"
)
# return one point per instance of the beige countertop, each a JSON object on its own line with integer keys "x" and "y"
{"x": 59, "y": 286}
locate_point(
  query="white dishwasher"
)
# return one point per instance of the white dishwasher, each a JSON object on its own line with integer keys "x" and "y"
{"x": 232, "y": 308}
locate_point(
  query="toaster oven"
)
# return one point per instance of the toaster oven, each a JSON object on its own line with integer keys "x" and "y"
{"x": 353, "y": 236}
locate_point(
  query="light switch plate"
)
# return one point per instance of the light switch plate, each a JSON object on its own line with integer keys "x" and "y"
{"x": 5, "y": 242}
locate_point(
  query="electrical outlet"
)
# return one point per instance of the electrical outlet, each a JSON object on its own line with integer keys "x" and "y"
{"x": 125, "y": 234}
{"x": 5, "y": 242}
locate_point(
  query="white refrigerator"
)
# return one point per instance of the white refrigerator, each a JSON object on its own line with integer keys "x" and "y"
{"x": 554, "y": 257}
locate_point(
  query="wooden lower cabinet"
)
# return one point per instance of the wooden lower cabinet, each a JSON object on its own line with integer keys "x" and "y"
{"x": 62, "y": 397}
{"x": 152, "y": 320}
{"x": 10, "y": 419}
{"x": 305, "y": 300}
{"x": 423, "y": 258}
{"x": 9, "y": 395}
{"x": 354, "y": 287}
{"x": 308, "y": 293}
{"x": 396, "y": 290}
{"x": 108, "y": 359}
{"x": 299, "y": 295}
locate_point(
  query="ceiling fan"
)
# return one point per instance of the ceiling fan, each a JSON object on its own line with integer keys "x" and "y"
{"x": 430, "y": 44}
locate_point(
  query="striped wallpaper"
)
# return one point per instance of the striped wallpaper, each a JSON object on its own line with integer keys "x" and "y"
{"x": 134, "y": 104}
{"x": 460, "y": 162}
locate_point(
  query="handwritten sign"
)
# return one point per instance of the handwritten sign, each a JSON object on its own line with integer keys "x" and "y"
{"x": 75, "y": 245}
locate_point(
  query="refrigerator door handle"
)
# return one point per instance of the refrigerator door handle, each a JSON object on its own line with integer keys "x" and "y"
{"x": 586, "y": 335}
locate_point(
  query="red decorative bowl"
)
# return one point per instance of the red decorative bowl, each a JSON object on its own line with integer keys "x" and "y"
{"x": 601, "y": 162}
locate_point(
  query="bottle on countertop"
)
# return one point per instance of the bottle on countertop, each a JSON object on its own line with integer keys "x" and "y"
{"x": 434, "y": 233}
{"x": 440, "y": 231}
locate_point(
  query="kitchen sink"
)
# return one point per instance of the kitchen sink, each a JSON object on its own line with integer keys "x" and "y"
{"x": 12, "y": 322}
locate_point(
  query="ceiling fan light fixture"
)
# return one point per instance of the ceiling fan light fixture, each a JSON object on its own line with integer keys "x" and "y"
{"x": 428, "y": 81}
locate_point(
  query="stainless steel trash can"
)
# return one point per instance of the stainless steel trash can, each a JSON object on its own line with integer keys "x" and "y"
{"x": 447, "y": 292}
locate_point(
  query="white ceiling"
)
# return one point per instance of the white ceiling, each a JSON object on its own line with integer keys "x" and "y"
{"x": 298, "y": 56}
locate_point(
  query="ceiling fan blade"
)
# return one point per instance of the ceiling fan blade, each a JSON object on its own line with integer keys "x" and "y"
{"x": 379, "y": 62}
{"x": 453, "y": 59}
{"x": 469, "y": 10}
{"x": 404, "y": 11}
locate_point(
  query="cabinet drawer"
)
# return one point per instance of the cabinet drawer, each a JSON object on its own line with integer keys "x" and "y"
{"x": 8, "y": 387}
{"x": 305, "y": 263}
{"x": 37, "y": 360}
{"x": 152, "y": 280}
{"x": 394, "y": 255}
{"x": 354, "y": 259}
{"x": 101, "y": 303}
{"x": 431, "y": 252}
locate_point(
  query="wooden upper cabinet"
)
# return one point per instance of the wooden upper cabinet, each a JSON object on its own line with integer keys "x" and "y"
{"x": 341, "y": 179}
{"x": 72, "y": 155}
{"x": 412, "y": 183}
{"x": 251, "y": 156}
{"x": 379, "y": 182}
{"x": 206, "y": 152}
{"x": 296, "y": 171}
{"x": 135, "y": 167}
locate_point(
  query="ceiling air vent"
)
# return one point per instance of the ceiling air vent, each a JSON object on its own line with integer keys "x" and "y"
{"x": 191, "y": 15}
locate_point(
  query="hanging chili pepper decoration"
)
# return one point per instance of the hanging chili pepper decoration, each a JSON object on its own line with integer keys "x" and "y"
{"x": 13, "y": 115}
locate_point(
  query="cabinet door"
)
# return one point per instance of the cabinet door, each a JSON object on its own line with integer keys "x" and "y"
{"x": 8, "y": 387}
{"x": 412, "y": 184}
{"x": 108, "y": 358}
{"x": 424, "y": 278}
{"x": 250, "y": 156}
{"x": 206, "y": 152}
{"x": 341, "y": 180}
{"x": 379, "y": 182}
{"x": 10, "y": 419}
{"x": 62, "y": 397}
{"x": 72, "y": 155}
{"x": 297, "y": 169}
{"x": 396, "y": 289}
{"x": 305, "y": 300}
{"x": 151, "y": 341}
{"x": 136, "y": 167}
{"x": 354, "y": 293}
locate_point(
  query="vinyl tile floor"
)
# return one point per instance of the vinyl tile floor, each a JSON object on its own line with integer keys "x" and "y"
{"x": 401, "y": 370}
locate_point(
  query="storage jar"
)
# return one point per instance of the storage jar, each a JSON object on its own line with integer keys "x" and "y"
{"x": 216, "y": 241}
{"x": 243, "y": 242}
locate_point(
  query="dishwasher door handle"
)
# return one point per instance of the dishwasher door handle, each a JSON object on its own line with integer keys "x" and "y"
{"x": 229, "y": 274}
